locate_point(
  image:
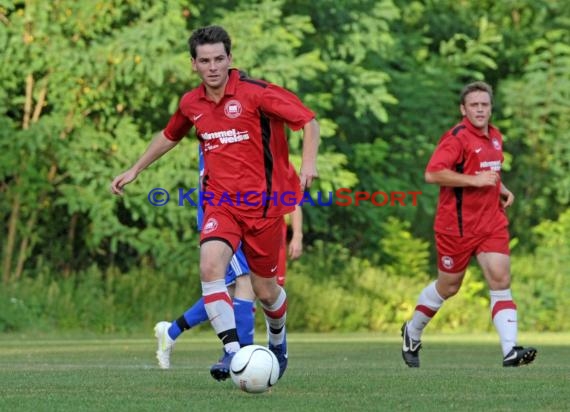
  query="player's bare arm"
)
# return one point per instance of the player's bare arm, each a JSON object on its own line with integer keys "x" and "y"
{"x": 311, "y": 139}
{"x": 450, "y": 178}
{"x": 296, "y": 243}
{"x": 507, "y": 197}
{"x": 159, "y": 146}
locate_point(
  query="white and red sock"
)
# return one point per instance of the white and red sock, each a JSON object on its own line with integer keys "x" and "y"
{"x": 219, "y": 307}
{"x": 504, "y": 315}
{"x": 428, "y": 304}
{"x": 275, "y": 316}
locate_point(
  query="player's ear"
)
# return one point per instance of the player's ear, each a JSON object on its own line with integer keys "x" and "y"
{"x": 462, "y": 109}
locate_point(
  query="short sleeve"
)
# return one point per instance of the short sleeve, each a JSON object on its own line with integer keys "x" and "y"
{"x": 178, "y": 126}
{"x": 286, "y": 106}
{"x": 447, "y": 154}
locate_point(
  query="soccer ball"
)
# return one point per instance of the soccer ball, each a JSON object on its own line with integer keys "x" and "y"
{"x": 254, "y": 369}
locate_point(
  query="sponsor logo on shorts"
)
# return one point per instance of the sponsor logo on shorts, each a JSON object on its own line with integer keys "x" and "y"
{"x": 447, "y": 262}
{"x": 210, "y": 226}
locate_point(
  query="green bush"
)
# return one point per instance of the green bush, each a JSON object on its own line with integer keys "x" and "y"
{"x": 328, "y": 289}
{"x": 92, "y": 300}
{"x": 541, "y": 279}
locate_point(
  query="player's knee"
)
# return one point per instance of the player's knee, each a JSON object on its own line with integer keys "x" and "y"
{"x": 209, "y": 270}
{"x": 448, "y": 290}
{"x": 453, "y": 289}
{"x": 267, "y": 293}
{"x": 500, "y": 282}
{"x": 264, "y": 296}
{"x": 244, "y": 289}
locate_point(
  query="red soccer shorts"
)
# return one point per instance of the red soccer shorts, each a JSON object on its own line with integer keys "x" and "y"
{"x": 261, "y": 237}
{"x": 455, "y": 252}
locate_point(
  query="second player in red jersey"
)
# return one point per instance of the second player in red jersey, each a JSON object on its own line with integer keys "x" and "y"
{"x": 470, "y": 221}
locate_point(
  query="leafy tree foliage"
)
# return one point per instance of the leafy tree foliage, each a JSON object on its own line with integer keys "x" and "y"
{"x": 538, "y": 120}
{"x": 82, "y": 81}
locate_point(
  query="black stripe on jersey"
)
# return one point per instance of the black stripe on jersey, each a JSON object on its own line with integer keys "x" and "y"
{"x": 457, "y": 129}
{"x": 244, "y": 77}
{"x": 459, "y": 190}
{"x": 267, "y": 157}
{"x": 203, "y": 189}
{"x": 459, "y": 200}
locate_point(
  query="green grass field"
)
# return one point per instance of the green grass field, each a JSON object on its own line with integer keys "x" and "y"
{"x": 348, "y": 372}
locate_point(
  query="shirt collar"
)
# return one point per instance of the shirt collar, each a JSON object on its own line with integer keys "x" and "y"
{"x": 479, "y": 132}
{"x": 233, "y": 77}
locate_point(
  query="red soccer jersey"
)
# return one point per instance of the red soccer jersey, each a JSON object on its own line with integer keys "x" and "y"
{"x": 468, "y": 211}
{"x": 244, "y": 143}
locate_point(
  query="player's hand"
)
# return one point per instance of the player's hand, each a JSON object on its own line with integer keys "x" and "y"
{"x": 307, "y": 175}
{"x": 507, "y": 198}
{"x": 121, "y": 181}
{"x": 295, "y": 248}
{"x": 486, "y": 178}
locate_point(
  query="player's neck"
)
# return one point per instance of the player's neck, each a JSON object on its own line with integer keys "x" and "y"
{"x": 216, "y": 93}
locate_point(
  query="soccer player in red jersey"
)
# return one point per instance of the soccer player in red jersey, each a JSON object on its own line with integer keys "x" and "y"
{"x": 470, "y": 221}
{"x": 240, "y": 123}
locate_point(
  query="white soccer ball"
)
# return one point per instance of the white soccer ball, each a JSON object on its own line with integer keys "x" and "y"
{"x": 254, "y": 369}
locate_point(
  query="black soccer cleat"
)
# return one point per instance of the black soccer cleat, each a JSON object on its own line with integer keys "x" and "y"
{"x": 519, "y": 356}
{"x": 221, "y": 371}
{"x": 280, "y": 352}
{"x": 410, "y": 349}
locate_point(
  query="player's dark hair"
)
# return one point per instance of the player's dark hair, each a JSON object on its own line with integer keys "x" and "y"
{"x": 475, "y": 87}
{"x": 209, "y": 35}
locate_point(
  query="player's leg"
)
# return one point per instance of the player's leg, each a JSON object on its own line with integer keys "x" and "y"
{"x": 236, "y": 273}
{"x": 214, "y": 258}
{"x": 262, "y": 250}
{"x": 244, "y": 309}
{"x": 243, "y": 298}
{"x": 219, "y": 238}
{"x": 429, "y": 302}
{"x": 493, "y": 257}
{"x": 453, "y": 258}
{"x": 273, "y": 300}
{"x": 167, "y": 332}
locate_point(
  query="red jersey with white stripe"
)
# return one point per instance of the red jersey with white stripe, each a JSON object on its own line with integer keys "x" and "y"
{"x": 469, "y": 211}
{"x": 244, "y": 143}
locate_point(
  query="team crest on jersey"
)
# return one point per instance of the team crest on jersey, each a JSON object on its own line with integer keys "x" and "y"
{"x": 232, "y": 109}
{"x": 210, "y": 226}
{"x": 447, "y": 262}
{"x": 496, "y": 143}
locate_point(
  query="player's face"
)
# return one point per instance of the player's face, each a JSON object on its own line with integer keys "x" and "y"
{"x": 212, "y": 64}
{"x": 477, "y": 108}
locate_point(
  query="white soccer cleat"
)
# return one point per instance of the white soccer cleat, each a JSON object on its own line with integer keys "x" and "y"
{"x": 165, "y": 344}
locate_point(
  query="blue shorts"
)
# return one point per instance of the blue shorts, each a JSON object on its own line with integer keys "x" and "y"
{"x": 238, "y": 267}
